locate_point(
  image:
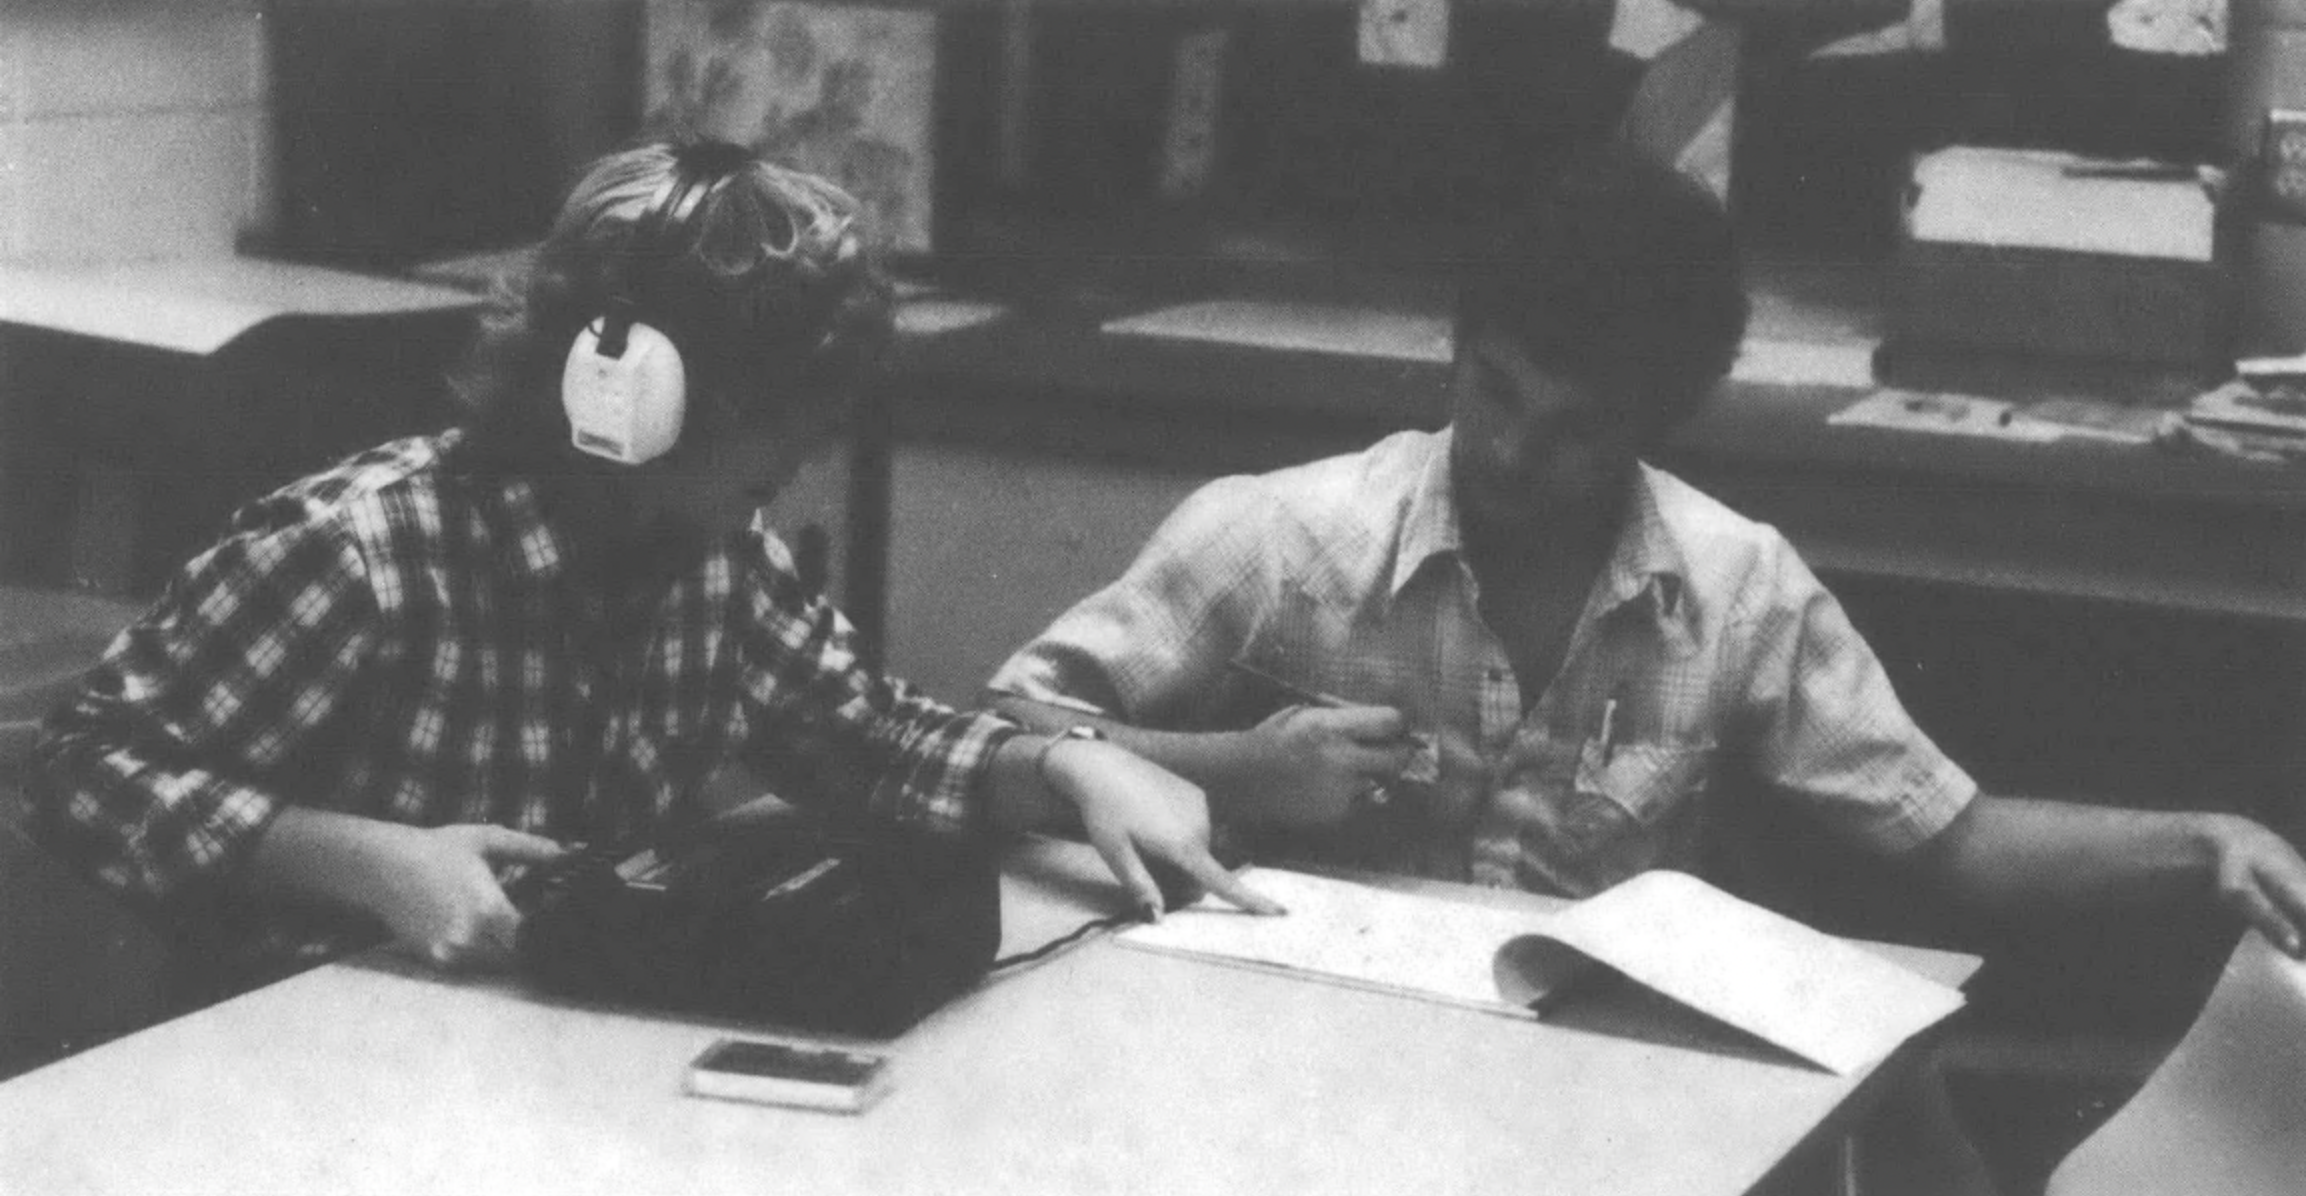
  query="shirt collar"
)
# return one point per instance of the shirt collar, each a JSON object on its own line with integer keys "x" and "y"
{"x": 1647, "y": 565}
{"x": 539, "y": 548}
{"x": 1429, "y": 520}
{"x": 533, "y": 548}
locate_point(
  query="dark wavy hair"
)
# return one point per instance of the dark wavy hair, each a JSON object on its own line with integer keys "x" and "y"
{"x": 1622, "y": 273}
{"x": 767, "y": 290}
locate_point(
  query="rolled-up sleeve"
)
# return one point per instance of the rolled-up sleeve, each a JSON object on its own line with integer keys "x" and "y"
{"x": 1831, "y": 732}
{"x": 1150, "y": 645}
{"x": 824, "y": 729}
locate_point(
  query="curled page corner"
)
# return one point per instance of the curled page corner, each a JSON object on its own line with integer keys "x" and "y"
{"x": 1534, "y": 970}
{"x": 1828, "y": 1001}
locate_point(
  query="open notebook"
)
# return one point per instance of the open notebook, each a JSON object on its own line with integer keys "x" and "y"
{"x": 1825, "y": 1000}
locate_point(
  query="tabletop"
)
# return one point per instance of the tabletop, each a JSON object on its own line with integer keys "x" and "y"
{"x": 1099, "y": 1069}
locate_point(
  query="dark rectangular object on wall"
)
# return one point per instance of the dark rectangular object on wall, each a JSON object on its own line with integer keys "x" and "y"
{"x": 420, "y": 129}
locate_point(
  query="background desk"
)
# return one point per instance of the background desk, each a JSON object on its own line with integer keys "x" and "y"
{"x": 1102, "y": 1070}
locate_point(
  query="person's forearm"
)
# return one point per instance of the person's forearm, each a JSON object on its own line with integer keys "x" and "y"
{"x": 321, "y": 854}
{"x": 2009, "y": 852}
{"x": 1218, "y": 761}
{"x": 1021, "y": 799}
{"x": 434, "y": 889}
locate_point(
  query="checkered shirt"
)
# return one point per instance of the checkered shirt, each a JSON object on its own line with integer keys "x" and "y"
{"x": 1705, "y": 645}
{"x": 402, "y": 638}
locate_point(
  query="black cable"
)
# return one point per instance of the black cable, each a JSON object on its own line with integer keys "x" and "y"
{"x": 1065, "y": 940}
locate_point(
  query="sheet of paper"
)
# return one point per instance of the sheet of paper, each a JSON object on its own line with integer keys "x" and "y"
{"x": 2045, "y": 199}
{"x": 2226, "y": 1111}
{"x": 199, "y": 305}
{"x": 2086, "y": 418}
{"x": 1412, "y": 33}
{"x": 1824, "y": 1000}
{"x": 931, "y": 315}
{"x": 2192, "y": 28}
{"x": 1644, "y": 28}
{"x": 1847, "y": 364}
{"x": 1923, "y": 30}
{"x": 1942, "y": 414}
{"x": 1683, "y": 108}
{"x": 1832, "y": 1003}
{"x": 1889, "y": 39}
{"x": 1353, "y": 934}
{"x": 1308, "y": 327}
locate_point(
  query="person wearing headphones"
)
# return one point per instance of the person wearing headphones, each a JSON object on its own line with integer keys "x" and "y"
{"x": 394, "y": 680}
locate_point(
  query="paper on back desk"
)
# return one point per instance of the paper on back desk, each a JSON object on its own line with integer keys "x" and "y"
{"x": 2037, "y": 199}
{"x": 1816, "y": 996}
{"x": 2226, "y": 1111}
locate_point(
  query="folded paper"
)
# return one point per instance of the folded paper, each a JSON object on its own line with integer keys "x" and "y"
{"x": 1824, "y": 1000}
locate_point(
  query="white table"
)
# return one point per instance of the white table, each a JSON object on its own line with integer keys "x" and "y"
{"x": 1101, "y": 1070}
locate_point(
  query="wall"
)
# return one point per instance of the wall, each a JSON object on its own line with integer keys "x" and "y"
{"x": 131, "y": 129}
{"x": 414, "y": 130}
{"x": 987, "y": 547}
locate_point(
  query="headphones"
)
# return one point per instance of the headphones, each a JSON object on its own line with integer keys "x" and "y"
{"x": 624, "y": 386}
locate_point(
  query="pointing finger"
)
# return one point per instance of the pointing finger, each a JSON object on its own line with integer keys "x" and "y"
{"x": 507, "y": 845}
{"x": 1203, "y": 867}
{"x": 1121, "y": 856}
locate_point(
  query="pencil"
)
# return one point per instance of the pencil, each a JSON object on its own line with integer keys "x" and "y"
{"x": 1299, "y": 692}
{"x": 1378, "y": 795}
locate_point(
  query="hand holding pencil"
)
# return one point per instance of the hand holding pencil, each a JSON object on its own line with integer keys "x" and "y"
{"x": 1328, "y": 755}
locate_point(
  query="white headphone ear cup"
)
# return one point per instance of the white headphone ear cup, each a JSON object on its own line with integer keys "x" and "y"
{"x": 627, "y": 408}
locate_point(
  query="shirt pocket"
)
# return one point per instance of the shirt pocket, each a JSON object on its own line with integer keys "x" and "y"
{"x": 1643, "y": 783}
{"x": 1610, "y": 814}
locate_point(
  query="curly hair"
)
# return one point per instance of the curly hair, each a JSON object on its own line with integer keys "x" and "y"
{"x": 1623, "y": 273}
{"x": 766, "y": 289}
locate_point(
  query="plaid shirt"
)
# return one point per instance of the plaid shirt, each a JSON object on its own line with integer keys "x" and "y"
{"x": 404, "y": 639}
{"x": 1704, "y": 643}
